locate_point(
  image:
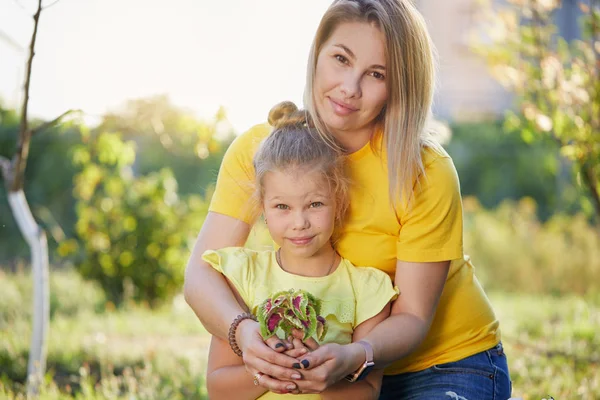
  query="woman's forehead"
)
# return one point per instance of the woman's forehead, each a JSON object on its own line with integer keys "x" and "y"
{"x": 360, "y": 40}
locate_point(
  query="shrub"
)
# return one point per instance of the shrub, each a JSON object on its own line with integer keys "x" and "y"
{"x": 132, "y": 233}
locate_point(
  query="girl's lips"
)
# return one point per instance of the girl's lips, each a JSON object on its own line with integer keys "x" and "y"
{"x": 301, "y": 241}
{"x": 341, "y": 109}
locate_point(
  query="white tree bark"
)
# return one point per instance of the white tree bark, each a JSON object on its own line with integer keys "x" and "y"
{"x": 36, "y": 238}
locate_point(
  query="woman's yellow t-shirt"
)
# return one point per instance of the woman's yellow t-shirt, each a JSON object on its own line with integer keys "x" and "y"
{"x": 378, "y": 234}
{"x": 349, "y": 295}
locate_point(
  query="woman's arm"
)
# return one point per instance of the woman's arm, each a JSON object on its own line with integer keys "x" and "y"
{"x": 421, "y": 286}
{"x": 203, "y": 283}
{"x": 370, "y": 387}
{"x": 227, "y": 377}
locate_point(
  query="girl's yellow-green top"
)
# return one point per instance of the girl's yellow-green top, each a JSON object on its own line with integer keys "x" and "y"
{"x": 349, "y": 295}
{"x": 378, "y": 234}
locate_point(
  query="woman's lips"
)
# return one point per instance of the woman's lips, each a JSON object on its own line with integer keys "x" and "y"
{"x": 340, "y": 108}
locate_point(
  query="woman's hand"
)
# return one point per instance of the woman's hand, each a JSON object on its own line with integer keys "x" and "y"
{"x": 266, "y": 357}
{"x": 327, "y": 365}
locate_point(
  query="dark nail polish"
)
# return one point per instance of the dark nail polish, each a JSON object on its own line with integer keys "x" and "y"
{"x": 305, "y": 363}
{"x": 296, "y": 365}
{"x": 278, "y": 345}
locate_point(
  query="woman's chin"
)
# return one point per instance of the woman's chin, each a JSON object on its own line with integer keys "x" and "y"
{"x": 338, "y": 124}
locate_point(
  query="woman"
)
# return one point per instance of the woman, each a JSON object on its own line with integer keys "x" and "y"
{"x": 369, "y": 90}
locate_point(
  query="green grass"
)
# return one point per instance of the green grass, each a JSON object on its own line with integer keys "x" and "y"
{"x": 138, "y": 353}
{"x": 126, "y": 353}
{"x": 552, "y": 345}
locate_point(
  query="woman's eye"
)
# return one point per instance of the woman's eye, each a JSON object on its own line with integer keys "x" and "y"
{"x": 281, "y": 206}
{"x": 315, "y": 204}
{"x": 378, "y": 75}
{"x": 341, "y": 58}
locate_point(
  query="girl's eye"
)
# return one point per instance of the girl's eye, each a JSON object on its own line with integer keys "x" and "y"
{"x": 341, "y": 58}
{"x": 316, "y": 204}
{"x": 378, "y": 75}
{"x": 281, "y": 206}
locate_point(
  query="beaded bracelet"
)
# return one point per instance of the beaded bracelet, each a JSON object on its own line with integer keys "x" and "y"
{"x": 231, "y": 336}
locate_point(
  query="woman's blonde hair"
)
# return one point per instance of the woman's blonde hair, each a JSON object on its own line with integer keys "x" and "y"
{"x": 410, "y": 80}
{"x": 294, "y": 145}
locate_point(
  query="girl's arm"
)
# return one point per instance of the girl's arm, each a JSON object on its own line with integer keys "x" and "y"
{"x": 369, "y": 387}
{"x": 227, "y": 377}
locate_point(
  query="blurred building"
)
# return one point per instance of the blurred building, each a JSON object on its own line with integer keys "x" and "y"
{"x": 465, "y": 89}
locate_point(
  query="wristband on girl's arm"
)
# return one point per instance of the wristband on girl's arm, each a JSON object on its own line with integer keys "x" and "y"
{"x": 233, "y": 327}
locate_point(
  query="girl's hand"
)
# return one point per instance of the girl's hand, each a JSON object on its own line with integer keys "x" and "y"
{"x": 265, "y": 357}
{"x": 297, "y": 350}
{"x": 298, "y": 347}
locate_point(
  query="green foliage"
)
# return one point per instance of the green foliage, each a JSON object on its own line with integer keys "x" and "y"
{"x": 557, "y": 83}
{"x": 495, "y": 165}
{"x": 513, "y": 251}
{"x": 132, "y": 233}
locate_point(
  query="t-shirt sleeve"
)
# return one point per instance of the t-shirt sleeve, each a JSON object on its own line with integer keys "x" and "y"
{"x": 235, "y": 264}
{"x": 234, "y": 190}
{"x": 373, "y": 290}
{"x": 432, "y": 225}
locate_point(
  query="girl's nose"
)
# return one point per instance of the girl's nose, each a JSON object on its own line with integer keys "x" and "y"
{"x": 301, "y": 221}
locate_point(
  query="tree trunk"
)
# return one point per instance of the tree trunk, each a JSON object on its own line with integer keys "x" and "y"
{"x": 36, "y": 238}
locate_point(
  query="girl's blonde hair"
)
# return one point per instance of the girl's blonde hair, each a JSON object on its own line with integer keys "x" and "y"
{"x": 410, "y": 81}
{"x": 294, "y": 145}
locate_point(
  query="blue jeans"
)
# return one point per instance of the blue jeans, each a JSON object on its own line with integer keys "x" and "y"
{"x": 482, "y": 376}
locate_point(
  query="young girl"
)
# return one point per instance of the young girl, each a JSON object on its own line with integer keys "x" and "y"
{"x": 302, "y": 189}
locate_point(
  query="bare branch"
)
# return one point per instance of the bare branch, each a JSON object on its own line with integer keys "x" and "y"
{"x": 51, "y": 4}
{"x": 20, "y": 159}
{"x": 50, "y": 124}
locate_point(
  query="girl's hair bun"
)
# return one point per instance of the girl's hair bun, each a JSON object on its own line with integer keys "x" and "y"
{"x": 286, "y": 114}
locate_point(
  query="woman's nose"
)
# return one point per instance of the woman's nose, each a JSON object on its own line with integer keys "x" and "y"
{"x": 351, "y": 84}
